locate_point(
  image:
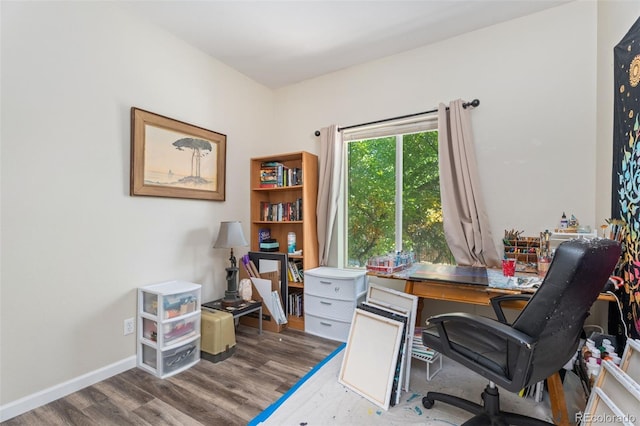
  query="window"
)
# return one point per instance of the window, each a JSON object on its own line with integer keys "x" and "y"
{"x": 393, "y": 196}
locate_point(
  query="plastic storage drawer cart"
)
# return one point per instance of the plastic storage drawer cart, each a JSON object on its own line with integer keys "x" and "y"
{"x": 330, "y": 298}
{"x": 168, "y": 327}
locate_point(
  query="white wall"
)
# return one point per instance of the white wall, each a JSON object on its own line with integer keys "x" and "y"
{"x": 535, "y": 127}
{"x": 75, "y": 245}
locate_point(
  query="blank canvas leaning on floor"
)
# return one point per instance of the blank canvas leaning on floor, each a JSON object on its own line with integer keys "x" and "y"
{"x": 401, "y": 367}
{"x": 371, "y": 356}
{"x": 401, "y": 301}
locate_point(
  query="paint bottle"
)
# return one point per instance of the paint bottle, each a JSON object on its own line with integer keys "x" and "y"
{"x": 564, "y": 223}
{"x": 291, "y": 242}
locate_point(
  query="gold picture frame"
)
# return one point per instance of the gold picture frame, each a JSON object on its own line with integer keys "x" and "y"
{"x": 171, "y": 158}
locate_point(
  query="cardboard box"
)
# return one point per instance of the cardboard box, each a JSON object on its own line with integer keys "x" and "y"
{"x": 268, "y": 319}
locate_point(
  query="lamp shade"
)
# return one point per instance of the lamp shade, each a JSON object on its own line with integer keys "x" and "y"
{"x": 230, "y": 235}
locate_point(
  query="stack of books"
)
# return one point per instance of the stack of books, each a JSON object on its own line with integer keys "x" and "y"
{"x": 295, "y": 303}
{"x": 295, "y": 272}
{"x": 281, "y": 212}
{"x": 274, "y": 174}
{"x": 269, "y": 245}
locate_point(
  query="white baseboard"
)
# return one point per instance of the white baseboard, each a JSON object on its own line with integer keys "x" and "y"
{"x": 45, "y": 396}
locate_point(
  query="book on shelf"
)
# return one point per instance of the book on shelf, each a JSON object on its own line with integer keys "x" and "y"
{"x": 264, "y": 234}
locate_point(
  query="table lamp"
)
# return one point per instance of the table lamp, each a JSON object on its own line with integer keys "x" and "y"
{"x": 230, "y": 236}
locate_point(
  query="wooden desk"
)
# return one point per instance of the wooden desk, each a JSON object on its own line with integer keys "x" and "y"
{"x": 455, "y": 291}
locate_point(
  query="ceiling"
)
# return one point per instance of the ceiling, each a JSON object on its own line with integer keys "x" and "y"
{"x": 278, "y": 43}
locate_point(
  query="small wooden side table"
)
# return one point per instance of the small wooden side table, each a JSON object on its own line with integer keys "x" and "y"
{"x": 237, "y": 311}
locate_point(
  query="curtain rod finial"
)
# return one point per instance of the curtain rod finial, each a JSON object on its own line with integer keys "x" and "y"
{"x": 474, "y": 103}
{"x": 317, "y": 133}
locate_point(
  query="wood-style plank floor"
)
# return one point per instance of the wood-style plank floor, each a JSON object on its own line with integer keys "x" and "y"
{"x": 229, "y": 392}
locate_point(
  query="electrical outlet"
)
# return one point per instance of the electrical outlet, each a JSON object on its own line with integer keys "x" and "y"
{"x": 129, "y": 326}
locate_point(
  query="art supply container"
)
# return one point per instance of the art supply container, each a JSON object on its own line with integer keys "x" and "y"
{"x": 543, "y": 266}
{"x": 291, "y": 242}
{"x": 508, "y": 267}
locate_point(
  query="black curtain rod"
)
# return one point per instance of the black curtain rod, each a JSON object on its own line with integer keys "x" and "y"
{"x": 474, "y": 103}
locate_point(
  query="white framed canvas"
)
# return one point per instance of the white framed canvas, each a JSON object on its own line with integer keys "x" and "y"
{"x": 403, "y": 317}
{"x": 402, "y": 302}
{"x": 613, "y": 393}
{"x": 371, "y": 356}
{"x": 630, "y": 362}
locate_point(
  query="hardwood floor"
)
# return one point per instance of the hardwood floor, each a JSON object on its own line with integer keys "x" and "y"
{"x": 230, "y": 392}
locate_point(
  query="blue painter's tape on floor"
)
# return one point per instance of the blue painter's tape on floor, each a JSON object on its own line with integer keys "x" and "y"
{"x": 270, "y": 409}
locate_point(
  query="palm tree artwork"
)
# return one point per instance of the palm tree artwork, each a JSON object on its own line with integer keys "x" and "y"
{"x": 199, "y": 149}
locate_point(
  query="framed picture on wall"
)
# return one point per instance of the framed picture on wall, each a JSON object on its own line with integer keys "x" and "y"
{"x": 170, "y": 158}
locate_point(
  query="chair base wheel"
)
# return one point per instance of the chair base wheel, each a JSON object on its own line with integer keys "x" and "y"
{"x": 484, "y": 415}
{"x": 427, "y": 403}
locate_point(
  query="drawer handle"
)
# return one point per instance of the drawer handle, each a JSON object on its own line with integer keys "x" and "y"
{"x": 328, "y": 324}
{"x": 325, "y": 303}
{"x": 325, "y": 282}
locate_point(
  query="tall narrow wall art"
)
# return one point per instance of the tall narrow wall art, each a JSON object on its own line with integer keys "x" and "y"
{"x": 625, "y": 193}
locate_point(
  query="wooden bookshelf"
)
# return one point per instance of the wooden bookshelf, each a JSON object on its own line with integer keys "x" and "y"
{"x": 288, "y": 193}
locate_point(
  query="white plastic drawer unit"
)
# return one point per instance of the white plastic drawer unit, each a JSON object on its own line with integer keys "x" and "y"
{"x": 168, "y": 327}
{"x": 335, "y": 283}
{"x": 330, "y": 297}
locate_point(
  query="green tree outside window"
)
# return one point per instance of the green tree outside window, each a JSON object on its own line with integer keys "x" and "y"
{"x": 371, "y": 205}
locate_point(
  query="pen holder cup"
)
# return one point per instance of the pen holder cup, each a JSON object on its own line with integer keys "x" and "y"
{"x": 508, "y": 267}
{"x": 543, "y": 266}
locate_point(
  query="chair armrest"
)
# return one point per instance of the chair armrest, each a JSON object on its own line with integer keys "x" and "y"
{"x": 496, "y": 303}
{"x": 487, "y": 324}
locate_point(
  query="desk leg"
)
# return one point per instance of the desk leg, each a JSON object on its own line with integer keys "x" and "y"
{"x": 408, "y": 288}
{"x": 260, "y": 320}
{"x": 558, "y": 403}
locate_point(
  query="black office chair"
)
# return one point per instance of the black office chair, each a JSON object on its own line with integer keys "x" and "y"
{"x": 540, "y": 341}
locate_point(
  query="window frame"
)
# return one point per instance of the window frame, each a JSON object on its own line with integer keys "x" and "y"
{"x": 393, "y": 128}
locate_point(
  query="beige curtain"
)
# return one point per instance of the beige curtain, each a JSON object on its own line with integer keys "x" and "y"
{"x": 330, "y": 176}
{"x": 466, "y": 225}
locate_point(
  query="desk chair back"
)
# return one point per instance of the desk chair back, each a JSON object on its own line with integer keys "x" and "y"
{"x": 556, "y": 313}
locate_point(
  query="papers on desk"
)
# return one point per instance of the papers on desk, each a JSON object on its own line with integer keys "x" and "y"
{"x": 497, "y": 280}
{"x": 271, "y": 299}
